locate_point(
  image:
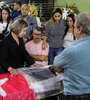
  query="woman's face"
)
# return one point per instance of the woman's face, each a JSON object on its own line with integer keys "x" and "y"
{"x": 57, "y": 17}
{"x": 4, "y": 15}
{"x": 22, "y": 33}
{"x": 70, "y": 22}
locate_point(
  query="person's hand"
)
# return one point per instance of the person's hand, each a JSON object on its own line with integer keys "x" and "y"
{"x": 46, "y": 59}
{"x": 55, "y": 69}
{"x": 36, "y": 65}
{"x": 44, "y": 45}
{"x": 13, "y": 71}
{"x": 25, "y": 40}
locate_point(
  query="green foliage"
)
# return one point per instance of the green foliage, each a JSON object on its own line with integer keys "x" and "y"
{"x": 81, "y": 5}
{"x": 73, "y": 8}
{"x": 69, "y": 6}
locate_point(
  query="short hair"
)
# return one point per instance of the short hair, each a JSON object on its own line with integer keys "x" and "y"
{"x": 18, "y": 25}
{"x": 83, "y": 20}
{"x": 25, "y": 5}
{"x": 18, "y": 3}
{"x": 38, "y": 29}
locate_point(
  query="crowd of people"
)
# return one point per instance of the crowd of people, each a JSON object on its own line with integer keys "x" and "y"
{"x": 64, "y": 44}
{"x": 42, "y": 49}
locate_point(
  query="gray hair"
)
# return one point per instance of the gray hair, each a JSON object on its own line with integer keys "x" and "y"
{"x": 18, "y": 25}
{"x": 24, "y": 5}
{"x": 38, "y": 29}
{"x": 83, "y": 20}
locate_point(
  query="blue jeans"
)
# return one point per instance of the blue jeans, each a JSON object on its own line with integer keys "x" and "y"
{"x": 52, "y": 53}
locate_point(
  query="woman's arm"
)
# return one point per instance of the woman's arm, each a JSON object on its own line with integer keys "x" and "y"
{"x": 44, "y": 44}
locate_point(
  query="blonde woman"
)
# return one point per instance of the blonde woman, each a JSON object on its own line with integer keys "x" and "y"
{"x": 12, "y": 51}
{"x": 54, "y": 32}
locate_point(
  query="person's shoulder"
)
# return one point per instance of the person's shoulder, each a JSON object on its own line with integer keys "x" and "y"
{"x": 63, "y": 21}
{"x": 7, "y": 39}
{"x": 70, "y": 50}
{"x": 48, "y": 23}
{"x": 14, "y": 11}
{"x": 31, "y": 17}
{"x": 18, "y": 17}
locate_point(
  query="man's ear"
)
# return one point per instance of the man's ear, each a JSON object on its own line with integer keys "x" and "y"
{"x": 80, "y": 29}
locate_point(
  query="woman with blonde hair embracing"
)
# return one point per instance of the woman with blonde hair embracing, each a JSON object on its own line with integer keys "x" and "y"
{"x": 12, "y": 51}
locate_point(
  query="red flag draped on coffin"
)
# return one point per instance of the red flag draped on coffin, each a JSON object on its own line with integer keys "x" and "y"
{"x": 15, "y": 88}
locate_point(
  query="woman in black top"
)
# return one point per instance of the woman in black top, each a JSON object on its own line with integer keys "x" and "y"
{"x": 12, "y": 51}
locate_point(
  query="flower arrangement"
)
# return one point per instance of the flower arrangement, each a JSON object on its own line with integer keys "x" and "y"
{"x": 3, "y": 4}
{"x": 34, "y": 13}
{"x": 43, "y": 26}
{"x": 33, "y": 10}
{"x": 69, "y": 10}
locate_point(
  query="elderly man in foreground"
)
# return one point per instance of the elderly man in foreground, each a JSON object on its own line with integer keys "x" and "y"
{"x": 76, "y": 61}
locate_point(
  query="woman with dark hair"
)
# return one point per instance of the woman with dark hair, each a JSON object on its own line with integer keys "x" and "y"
{"x": 69, "y": 37}
{"x": 54, "y": 32}
{"x": 5, "y": 22}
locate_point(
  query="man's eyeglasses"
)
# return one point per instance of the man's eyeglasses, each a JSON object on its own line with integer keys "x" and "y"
{"x": 37, "y": 34}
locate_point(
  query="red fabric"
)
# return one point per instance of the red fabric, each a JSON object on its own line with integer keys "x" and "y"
{"x": 16, "y": 88}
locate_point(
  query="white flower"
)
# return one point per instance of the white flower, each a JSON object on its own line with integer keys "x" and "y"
{"x": 3, "y": 3}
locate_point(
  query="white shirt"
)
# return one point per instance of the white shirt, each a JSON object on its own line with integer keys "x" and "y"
{"x": 3, "y": 26}
{"x": 68, "y": 39}
{"x": 38, "y": 21}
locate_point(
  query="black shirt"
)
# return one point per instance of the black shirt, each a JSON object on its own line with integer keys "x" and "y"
{"x": 14, "y": 55}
